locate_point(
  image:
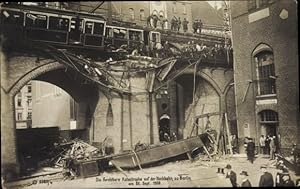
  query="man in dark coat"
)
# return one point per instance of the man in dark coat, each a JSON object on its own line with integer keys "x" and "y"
{"x": 178, "y": 24}
{"x": 287, "y": 182}
{"x": 195, "y": 26}
{"x": 185, "y": 25}
{"x": 279, "y": 176}
{"x": 266, "y": 179}
{"x": 245, "y": 181}
{"x": 267, "y": 144}
{"x": 231, "y": 175}
{"x": 250, "y": 150}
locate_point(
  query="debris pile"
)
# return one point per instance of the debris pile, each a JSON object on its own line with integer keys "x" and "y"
{"x": 76, "y": 150}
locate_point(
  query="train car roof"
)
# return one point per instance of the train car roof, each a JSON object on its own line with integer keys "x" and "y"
{"x": 51, "y": 10}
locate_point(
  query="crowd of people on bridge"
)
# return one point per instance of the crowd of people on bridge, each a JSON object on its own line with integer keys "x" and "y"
{"x": 197, "y": 26}
{"x": 216, "y": 51}
{"x": 176, "y": 24}
{"x": 191, "y": 50}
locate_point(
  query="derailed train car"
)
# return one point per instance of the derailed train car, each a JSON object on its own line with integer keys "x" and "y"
{"x": 70, "y": 28}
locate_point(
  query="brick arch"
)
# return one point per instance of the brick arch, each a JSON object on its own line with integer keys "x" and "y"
{"x": 33, "y": 74}
{"x": 211, "y": 81}
{"x": 261, "y": 47}
{"x": 272, "y": 107}
{"x": 208, "y": 79}
{"x": 228, "y": 86}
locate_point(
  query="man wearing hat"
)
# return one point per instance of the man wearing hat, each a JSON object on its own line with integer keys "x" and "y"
{"x": 266, "y": 179}
{"x": 287, "y": 182}
{"x": 280, "y": 174}
{"x": 231, "y": 175}
{"x": 245, "y": 181}
{"x": 250, "y": 150}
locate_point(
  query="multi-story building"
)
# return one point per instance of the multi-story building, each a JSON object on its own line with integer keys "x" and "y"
{"x": 138, "y": 11}
{"x": 266, "y": 65}
{"x": 23, "y": 107}
{"x": 52, "y": 107}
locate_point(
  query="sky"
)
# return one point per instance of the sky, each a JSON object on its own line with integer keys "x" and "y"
{"x": 213, "y": 3}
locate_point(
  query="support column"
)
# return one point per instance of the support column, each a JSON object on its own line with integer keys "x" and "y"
{"x": 173, "y": 108}
{"x": 9, "y": 162}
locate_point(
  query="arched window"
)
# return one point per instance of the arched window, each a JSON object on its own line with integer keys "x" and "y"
{"x": 265, "y": 70}
{"x": 109, "y": 116}
{"x": 161, "y": 14}
{"x": 268, "y": 120}
{"x": 154, "y": 12}
{"x": 131, "y": 13}
{"x": 268, "y": 116}
{"x": 142, "y": 14}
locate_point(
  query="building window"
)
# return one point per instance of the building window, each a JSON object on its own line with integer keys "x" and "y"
{"x": 256, "y": 4}
{"x": 29, "y": 115}
{"x": 142, "y": 14}
{"x": 29, "y": 88}
{"x": 109, "y": 116}
{"x": 19, "y": 103}
{"x": 73, "y": 109}
{"x": 161, "y": 14}
{"x": 174, "y": 7}
{"x": 131, "y": 13}
{"x": 184, "y": 8}
{"x": 265, "y": 70}
{"x": 29, "y": 100}
{"x": 19, "y": 117}
{"x": 19, "y": 95}
{"x": 268, "y": 116}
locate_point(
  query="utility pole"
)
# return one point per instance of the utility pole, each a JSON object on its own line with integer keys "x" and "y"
{"x": 109, "y": 12}
{"x": 227, "y": 26}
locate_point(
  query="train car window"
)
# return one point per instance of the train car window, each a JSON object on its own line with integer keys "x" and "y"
{"x": 120, "y": 33}
{"x": 56, "y": 23}
{"x": 36, "y": 20}
{"x": 135, "y": 35}
{"x": 76, "y": 24}
{"x": 12, "y": 17}
{"x": 155, "y": 37}
{"x": 98, "y": 28}
{"x": 109, "y": 32}
{"x": 89, "y": 27}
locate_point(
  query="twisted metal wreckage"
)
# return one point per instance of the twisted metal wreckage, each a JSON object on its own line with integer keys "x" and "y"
{"x": 114, "y": 76}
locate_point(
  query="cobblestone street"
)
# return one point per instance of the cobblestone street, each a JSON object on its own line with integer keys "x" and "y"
{"x": 196, "y": 174}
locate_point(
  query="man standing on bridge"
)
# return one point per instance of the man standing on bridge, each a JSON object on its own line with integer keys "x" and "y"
{"x": 185, "y": 25}
{"x": 178, "y": 24}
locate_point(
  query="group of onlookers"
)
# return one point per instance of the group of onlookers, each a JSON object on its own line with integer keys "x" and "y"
{"x": 282, "y": 178}
{"x": 269, "y": 145}
{"x": 197, "y": 26}
{"x": 217, "y": 51}
{"x": 176, "y": 23}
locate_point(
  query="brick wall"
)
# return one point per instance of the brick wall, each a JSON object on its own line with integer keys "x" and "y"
{"x": 211, "y": 87}
{"x": 281, "y": 36}
{"x": 131, "y": 120}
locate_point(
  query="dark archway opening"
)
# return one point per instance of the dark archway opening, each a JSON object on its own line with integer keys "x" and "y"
{"x": 164, "y": 128}
{"x": 59, "y": 107}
